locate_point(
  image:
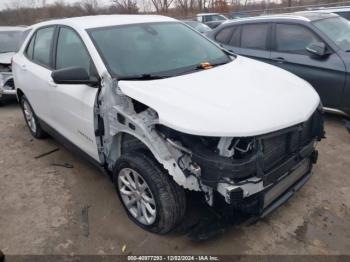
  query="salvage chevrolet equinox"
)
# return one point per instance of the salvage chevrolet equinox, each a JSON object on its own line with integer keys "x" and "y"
{"x": 163, "y": 110}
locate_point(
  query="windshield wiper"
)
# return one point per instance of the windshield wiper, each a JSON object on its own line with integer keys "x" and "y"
{"x": 142, "y": 77}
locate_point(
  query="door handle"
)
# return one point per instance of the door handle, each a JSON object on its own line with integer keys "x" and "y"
{"x": 279, "y": 59}
{"x": 24, "y": 67}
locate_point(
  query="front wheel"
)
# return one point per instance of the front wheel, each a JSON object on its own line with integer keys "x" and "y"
{"x": 31, "y": 119}
{"x": 149, "y": 195}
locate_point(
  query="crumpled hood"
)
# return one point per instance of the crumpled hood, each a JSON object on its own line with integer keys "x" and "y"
{"x": 5, "y": 58}
{"x": 242, "y": 98}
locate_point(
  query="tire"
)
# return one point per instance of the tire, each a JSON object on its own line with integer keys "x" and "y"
{"x": 169, "y": 200}
{"x": 31, "y": 119}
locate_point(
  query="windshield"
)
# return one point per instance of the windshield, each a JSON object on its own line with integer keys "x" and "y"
{"x": 216, "y": 18}
{"x": 10, "y": 41}
{"x": 162, "y": 49}
{"x": 337, "y": 29}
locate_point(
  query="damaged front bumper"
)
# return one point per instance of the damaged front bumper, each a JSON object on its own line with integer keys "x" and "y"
{"x": 278, "y": 173}
{"x": 276, "y": 165}
{"x": 7, "y": 87}
{"x": 256, "y": 199}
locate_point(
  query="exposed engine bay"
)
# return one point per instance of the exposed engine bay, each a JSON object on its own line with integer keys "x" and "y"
{"x": 236, "y": 167}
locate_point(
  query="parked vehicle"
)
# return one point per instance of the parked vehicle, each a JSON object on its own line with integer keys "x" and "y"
{"x": 237, "y": 15}
{"x": 200, "y": 27}
{"x": 211, "y": 19}
{"x": 163, "y": 109}
{"x": 10, "y": 40}
{"x": 343, "y": 11}
{"x": 314, "y": 46}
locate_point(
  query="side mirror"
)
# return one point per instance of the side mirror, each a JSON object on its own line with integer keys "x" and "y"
{"x": 74, "y": 76}
{"x": 317, "y": 48}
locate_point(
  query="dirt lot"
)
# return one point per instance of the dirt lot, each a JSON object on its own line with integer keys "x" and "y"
{"x": 41, "y": 205}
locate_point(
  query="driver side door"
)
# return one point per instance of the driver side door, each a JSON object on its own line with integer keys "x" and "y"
{"x": 73, "y": 105}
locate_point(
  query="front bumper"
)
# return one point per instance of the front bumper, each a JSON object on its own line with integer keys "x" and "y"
{"x": 256, "y": 199}
{"x": 7, "y": 88}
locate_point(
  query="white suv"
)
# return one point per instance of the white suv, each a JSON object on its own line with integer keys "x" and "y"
{"x": 163, "y": 110}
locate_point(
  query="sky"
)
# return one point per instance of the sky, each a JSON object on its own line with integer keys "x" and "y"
{"x": 5, "y": 3}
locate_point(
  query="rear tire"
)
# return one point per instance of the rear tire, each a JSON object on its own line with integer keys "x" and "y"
{"x": 166, "y": 200}
{"x": 31, "y": 119}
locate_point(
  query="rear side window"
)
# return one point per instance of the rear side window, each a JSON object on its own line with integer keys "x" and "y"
{"x": 71, "y": 51}
{"x": 42, "y": 46}
{"x": 224, "y": 35}
{"x": 254, "y": 36}
{"x": 293, "y": 38}
{"x": 236, "y": 37}
{"x": 30, "y": 48}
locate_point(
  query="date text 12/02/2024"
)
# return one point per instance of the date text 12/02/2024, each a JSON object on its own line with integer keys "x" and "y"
{"x": 173, "y": 258}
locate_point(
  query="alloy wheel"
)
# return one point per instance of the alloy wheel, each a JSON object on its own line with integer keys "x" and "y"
{"x": 29, "y": 115}
{"x": 137, "y": 196}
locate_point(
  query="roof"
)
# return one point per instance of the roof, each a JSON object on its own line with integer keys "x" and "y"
{"x": 12, "y": 28}
{"x": 303, "y": 16}
{"x": 86, "y": 22}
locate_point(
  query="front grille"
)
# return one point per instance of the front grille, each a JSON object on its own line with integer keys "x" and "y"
{"x": 277, "y": 148}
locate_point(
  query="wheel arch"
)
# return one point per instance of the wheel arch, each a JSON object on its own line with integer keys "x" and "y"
{"x": 19, "y": 94}
{"x": 125, "y": 142}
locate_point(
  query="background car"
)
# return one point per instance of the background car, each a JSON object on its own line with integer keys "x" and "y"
{"x": 200, "y": 27}
{"x": 10, "y": 41}
{"x": 314, "y": 46}
{"x": 211, "y": 19}
{"x": 343, "y": 11}
{"x": 237, "y": 15}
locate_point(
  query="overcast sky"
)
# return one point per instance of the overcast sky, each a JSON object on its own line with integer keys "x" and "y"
{"x": 5, "y": 3}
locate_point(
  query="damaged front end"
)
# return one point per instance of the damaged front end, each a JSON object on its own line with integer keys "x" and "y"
{"x": 7, "y": 87}
{"x": 251, "y": 173}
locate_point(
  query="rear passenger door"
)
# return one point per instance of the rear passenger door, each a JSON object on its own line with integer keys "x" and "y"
{"x": 325, "y": 74}
{"x": 251, "y": 40}
{"x": 72, "y": 106}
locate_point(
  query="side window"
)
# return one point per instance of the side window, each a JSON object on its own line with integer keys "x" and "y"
{"x": 236, "y": 37}
{"x": 344, "y": 14}
{"x": 71, "y": 52}
{"x": 207, "y": 18}
{"x": 224, "y": 35}
{"x": 254, "y": 36}
{"x": 42, "y": 46}
{"x": 30, "y": 48}
{"x": 293, "y": 38}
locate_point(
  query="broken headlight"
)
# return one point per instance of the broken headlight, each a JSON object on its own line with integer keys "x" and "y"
{"x": 217, "y": 157}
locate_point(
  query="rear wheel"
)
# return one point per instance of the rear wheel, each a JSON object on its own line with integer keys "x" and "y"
{"x": 149, "y": 195}
{"x": 31, "y": 119}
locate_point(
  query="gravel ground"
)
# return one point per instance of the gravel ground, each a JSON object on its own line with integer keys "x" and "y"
{"x": 41, "y": 205}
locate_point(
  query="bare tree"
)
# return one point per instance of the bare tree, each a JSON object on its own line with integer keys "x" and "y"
{"x": 126, "y": 6}
{"x": 162, "y": 6}
{"x": 90, "y": 6}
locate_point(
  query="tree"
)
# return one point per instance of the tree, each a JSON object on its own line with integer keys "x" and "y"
{"x": 125, "y": 6}
{"x": 162, "y": 6}
{"x": 90, "y": 6}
